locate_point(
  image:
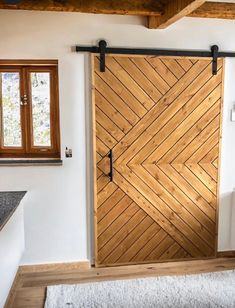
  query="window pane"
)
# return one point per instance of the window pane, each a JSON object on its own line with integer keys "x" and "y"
{"x": 40, "y": 88}
{"x": 10, "y": 103}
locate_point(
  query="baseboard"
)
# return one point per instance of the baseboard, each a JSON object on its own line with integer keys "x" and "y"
{"x": 12, "y": 293}
{"x": 53, "y": 267}
{"x": 226, "y": 254}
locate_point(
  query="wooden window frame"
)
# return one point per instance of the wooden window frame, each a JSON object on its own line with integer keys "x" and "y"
{"x": 28, "y": 150}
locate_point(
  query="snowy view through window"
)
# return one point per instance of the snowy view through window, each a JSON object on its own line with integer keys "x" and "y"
{"x": 10, "y": 101}
{"x": 40, "y": 87}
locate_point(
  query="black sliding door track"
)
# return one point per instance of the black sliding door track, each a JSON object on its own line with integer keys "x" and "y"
{"x": 102, "y": 49}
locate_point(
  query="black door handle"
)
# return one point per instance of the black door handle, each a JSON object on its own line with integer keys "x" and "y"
{"x": 110, "y": 155}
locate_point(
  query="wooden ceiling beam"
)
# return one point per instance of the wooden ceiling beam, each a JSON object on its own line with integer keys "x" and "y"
{"x": 160, "y": 15}
{"x": 121, "y": 7}
{"x": 222, "y": 10}
{"x": 173, "y": 11}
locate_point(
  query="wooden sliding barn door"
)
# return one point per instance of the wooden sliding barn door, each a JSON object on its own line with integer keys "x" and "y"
{"x": 161, "y": 119}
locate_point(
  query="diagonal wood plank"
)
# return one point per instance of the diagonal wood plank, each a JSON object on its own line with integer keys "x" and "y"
{"x": 156, "y": 79}
{"x": 137, "y": 75}
{"x": 117, "y": 224}
{"x": 107, "y": 139}
{"x": 108, "y": 124}
{"x": 185, "y": 64}
{"x": 132, "y": 250}
{"x": 174, "y": 67}
{"x": 113, "y": 200}
{"x": 165, "y": 244}
{"x": 106, "y": 192}
{"x": 162, "y": 70}
{"x": 208, "y": 207}
{"x": 117, "y": 239}
{"x": 128, "y": 99}
{"x": 209, "y": 121}
{"x": 202, "y": 189}
{"x": 204, "y": 177}
{"x": 113, "y": 214}
{"x": 131, "y": 238}
{"x": 204, "y": 148}
{"x": 206, "y": 136}
{"x": 112, "y": 113}
{"x": 149, "y": 246}
{"x": 129, "y": 83}
{"x": 101, "y": 148}
{"x": 115, "y": 101}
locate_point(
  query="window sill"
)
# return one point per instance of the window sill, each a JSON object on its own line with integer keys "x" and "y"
{"x": 30, "y": 162}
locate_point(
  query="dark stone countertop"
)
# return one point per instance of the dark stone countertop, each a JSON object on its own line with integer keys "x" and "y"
{"x": 9, "y": 201}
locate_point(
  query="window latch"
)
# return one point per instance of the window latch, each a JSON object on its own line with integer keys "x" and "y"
{"x": 24, "y": 100}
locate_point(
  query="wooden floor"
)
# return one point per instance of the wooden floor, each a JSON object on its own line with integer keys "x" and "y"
{"x": 31, "y": 287}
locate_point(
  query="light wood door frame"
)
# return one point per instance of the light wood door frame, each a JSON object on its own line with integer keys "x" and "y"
{"x": 95, "y": 162}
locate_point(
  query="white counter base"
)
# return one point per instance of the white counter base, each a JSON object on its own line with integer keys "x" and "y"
{"x": 11, "y": 250}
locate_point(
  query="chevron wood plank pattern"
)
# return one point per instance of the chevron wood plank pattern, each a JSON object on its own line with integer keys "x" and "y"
{"x": 161, "y": 117}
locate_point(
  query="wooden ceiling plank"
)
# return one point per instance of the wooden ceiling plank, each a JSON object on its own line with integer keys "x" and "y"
{"x": 173, "y": 11}
{"x": 121, "y": 7}
{"x": 223, "y": 10}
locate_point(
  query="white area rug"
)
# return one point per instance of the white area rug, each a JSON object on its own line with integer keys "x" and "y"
{"x": 199, "y": 291}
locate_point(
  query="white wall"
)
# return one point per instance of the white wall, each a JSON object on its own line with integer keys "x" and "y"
{"x": 55, "y": 215}
{"x": 11, "y": 250}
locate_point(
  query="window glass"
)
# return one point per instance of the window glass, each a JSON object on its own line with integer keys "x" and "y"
{"x": 40, "y": 89}
{"x": 10, "y": 107}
